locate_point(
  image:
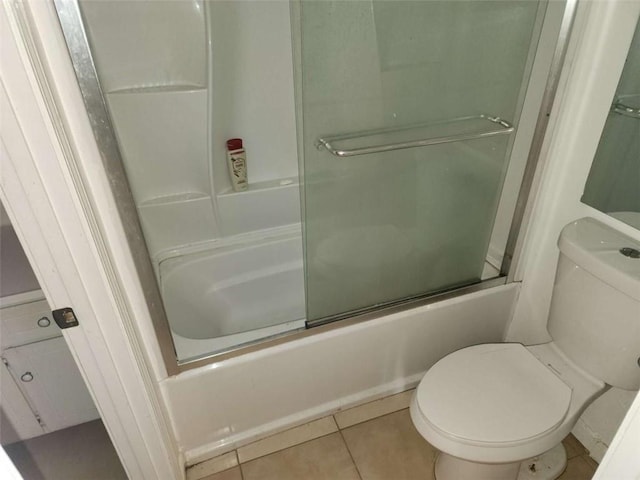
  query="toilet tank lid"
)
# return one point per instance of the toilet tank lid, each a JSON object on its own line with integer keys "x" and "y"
{"x": 595, "y": 247}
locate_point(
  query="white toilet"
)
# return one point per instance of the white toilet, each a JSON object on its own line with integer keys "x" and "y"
{"x": 500, "y": 411}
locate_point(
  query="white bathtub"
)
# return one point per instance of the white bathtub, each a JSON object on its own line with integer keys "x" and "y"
{"x": 234, "y": 293}
{"x": 220, "y": 406}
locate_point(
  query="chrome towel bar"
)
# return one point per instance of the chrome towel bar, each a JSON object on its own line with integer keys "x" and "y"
{"x": 498, "y": 127}
{"x": 626, "y": 110}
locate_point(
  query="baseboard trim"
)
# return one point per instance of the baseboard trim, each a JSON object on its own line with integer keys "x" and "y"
{"x": 590, "y": 439}
{"x": 208, "y": 451}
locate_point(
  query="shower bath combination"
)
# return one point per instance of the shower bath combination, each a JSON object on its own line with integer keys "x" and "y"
{"x": 405, "y": 159}
{"x": 383, "y": 176}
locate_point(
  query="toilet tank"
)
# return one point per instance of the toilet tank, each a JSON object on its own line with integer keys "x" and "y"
{"x": 595, "y": 308}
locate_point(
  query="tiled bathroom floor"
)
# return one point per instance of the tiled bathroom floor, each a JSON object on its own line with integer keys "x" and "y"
{"x": 375, "y": 441}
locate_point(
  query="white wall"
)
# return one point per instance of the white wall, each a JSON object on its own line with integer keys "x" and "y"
{"x": 605, "y": 30}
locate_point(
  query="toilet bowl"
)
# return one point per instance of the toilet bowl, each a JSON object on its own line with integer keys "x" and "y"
{"x": 500, "y": 411}
{"x": 502, "y": 404}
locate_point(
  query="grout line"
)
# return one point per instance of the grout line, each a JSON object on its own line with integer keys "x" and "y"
{"x": 288, "y": 438}
{"x": 212, "y": 466}
{"x": 376, "y": 409}
{"x": 239, "y": 464}
{"x": 374, "y": 418}
{"x": 336, "y": 424}
{"x": 240, "y": 467}
{"x": 291, "y": 446}
{"x": 344, "y": 440}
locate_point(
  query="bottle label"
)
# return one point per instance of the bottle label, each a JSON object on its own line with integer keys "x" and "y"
{"x": 238, "y": 169}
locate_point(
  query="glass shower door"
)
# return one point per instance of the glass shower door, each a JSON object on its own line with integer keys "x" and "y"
{"x": 408, "y": 116}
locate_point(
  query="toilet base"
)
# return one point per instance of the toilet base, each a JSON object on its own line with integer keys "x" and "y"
{"x": 547, "y": 466}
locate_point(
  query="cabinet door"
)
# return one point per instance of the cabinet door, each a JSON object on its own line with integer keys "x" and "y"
{"x": 17, "y": 420}
{"x": 27, "y": 323}
{"x": 49, "y": 378}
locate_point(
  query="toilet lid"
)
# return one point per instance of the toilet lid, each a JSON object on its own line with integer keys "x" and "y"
{"x": 492, "y": 393}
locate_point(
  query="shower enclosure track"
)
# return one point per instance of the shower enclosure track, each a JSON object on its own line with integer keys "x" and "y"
{"x": 498, "y": 127}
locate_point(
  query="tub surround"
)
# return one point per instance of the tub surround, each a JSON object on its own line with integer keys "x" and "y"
{"x": 172, "y": 124}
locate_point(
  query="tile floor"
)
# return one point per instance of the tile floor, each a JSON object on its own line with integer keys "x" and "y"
{"x": 375, "y": 441}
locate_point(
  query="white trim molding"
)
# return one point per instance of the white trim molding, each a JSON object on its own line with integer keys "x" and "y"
{"x": 79, "y": 257}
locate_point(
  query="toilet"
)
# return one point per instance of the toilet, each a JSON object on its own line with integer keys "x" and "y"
{"x": 500, "y": 411}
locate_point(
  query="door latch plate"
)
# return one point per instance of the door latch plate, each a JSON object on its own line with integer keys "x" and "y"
{"x": 65, "y": 318}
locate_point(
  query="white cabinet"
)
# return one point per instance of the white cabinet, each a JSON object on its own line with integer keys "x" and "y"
{"x": 42, "y": 389}
{"x": 25, "y": 323}
{"x": 17, "y": 420}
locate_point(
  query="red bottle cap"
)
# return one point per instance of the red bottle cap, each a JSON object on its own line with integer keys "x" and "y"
{"x": 234, "y": 144}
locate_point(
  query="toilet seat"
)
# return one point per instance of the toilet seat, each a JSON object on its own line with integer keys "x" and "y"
{"x": 492, "y": 396}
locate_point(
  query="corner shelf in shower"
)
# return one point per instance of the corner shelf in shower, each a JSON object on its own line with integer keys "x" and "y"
{"x": 411, "y": 136}
{"x": 291, "y": 182}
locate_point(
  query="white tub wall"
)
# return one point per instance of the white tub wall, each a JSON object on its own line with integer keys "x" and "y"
{"x": 159, "y": 63}
{"x": 178, "y": 220}
{"x": 136, "y": 46}
{"x": 265, "y": 205}
{"x": 606, "y": 35}
{"x": 163, "y": 139}
{"x": 152, "y": 62}
{"x": 218, "y": 407}
{"x": 252, "y": 88}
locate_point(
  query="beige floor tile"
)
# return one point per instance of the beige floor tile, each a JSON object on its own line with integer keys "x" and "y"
{"x": 214, "y": 465}
{"x": 374, "y": 409}
{"x": 578, "y": 469}
{"x": 288, "y": 438}
{"x": 590, "y": 461}
{"x": 573, "y": 447}
{"x": 231, "y": 474}
{"x": 389, "y": 447}
{"x": 325, "y": 458}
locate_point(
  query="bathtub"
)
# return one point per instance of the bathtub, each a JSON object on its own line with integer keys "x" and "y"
{"x": 220, "y": 406}
{"x": 234, "y": 292}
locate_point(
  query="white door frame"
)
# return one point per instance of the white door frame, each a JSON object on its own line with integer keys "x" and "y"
{"x": 50, "y": 198}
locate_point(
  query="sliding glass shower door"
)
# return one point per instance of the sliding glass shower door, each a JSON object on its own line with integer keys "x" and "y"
{"x": 409, "y": 111}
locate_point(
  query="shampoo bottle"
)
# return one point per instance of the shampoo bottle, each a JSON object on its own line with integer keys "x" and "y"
{"x": 237, "y": 161}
